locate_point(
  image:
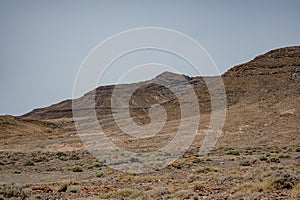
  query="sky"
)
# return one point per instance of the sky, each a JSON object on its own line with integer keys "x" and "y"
{"x": 44, "y": 43}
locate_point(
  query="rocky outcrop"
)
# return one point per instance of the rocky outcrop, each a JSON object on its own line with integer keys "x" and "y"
{"x": 272, "y": 76}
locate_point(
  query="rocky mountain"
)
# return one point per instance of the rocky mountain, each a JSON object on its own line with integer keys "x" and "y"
{"x": 272, "y": 76}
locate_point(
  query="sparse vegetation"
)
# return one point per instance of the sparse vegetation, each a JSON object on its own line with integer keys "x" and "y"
{"x": 263, "y": 158}
{"x": 76, "y": 169}
{"x": 97, "y": 165}
{"x": 285, "y": 180}
{"x": 74, "y": 190}
{"x": 198, "y": 186}
{"x": 250, "y": 188}
{"x": 94, "y": 165}
{"x": 207, "y": 169}
{"x": 274, "y": 151}
{"x": 289, "y": 150}
{"x": 41, "y": 158}
{"x": 128, "y": 177}
{"x": 199, "y": 160}
{"x": 159, "y": 192}
{"x": 245, "y": 163}
{"x": 284, "y": 156}
{"x": 99, "y": 174}
{"x": 74, "y": 156}
{"x": 13, "y": 192}
{"x": 62, "y": 156}
{"x": 233, "y": 152}
{"x": 150, "y": 179}
{"x": 28, "y": 163}
{"x": 17, "y": 171}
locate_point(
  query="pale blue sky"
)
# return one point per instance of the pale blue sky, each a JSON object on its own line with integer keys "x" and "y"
{"x": 44, "y": 42}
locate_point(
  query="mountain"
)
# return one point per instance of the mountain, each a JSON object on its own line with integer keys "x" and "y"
{"x": 258, "y": 92}
{"x": 272, "y": 76}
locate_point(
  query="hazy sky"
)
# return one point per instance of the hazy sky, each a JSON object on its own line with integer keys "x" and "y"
{"x": 43, "y": 43}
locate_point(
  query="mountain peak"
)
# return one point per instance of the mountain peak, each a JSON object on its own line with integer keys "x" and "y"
{"x": 171, "y": 76}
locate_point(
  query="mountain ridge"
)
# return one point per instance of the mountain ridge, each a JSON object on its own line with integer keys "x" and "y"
{"x": 270, "y": 70}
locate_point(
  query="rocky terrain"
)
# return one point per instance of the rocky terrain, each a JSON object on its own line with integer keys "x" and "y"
{"x": 256, "y": 157}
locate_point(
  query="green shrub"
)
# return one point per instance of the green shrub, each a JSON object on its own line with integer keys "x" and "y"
{"x": 274, "y": 151}
{"x": 74, "y": 157}
{"x": 29, "y": 163}
{"x": 97, "y": 165}
{"x": 233, "y": 152}
{"x": 76, "y": 169}
{"x": 297, "y": 149}
{"x": 74, "y": 190}
{"x": 94, "y": 165}
{"x": 284, "y": 156}
{"x": 289, "y": 150}
{"x": 245, "y": 163}
{"x": 199, "y": 160}
{"x": 263, "y": 158}
{"x": 62, "y": 156}
{"x": 99, "y": 174}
